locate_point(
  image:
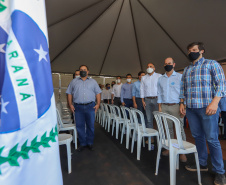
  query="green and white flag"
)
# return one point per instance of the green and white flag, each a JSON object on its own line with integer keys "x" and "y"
{"x": 29, "y": 150}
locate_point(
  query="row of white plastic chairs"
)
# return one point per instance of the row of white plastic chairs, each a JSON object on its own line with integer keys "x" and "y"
{"x": 131, "y": 119}
{"x": 65, "y": 123}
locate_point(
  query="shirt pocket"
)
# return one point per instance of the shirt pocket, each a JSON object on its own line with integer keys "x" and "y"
{"x": 175, "y": 88}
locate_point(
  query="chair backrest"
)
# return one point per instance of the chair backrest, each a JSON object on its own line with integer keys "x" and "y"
{"x": 59, "y": 120}
{"x": 161, "y": 119}
{"x": 127, "y": 114}
{"x": 137, "y": 113}
{"x": 117, "y": 111}
{"x": 106, "y": 109}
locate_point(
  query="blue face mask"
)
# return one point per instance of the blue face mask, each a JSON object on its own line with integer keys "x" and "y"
{"x": 108, "y": 87}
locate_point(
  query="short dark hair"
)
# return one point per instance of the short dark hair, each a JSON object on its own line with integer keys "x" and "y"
{"x": 141, "y": 73}
{"x": 128, "y": 75}
{"x": 199, "y": 44}
{"x": 118, "y": 76}
{"x": 107, "y": 84}
{"x": 85, "y": 66}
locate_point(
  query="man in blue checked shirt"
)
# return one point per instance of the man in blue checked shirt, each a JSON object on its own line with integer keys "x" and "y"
{"x": 202, "y": 87}
{"x": 83, "y": 92}
{"x": 126, "y": 92}
{"x": 168, "y": 99}
{"x": 137, "y": 100}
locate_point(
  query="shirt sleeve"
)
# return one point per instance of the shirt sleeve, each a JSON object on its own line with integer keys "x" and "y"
{"x": 134, "y": 90}
{"x": 159, "y": 92}
{"x": 69, "y": 88}
{"x": 182, "y": 85}
{"x": 113, "y": 89}
{"x": 217, "y": 74}
{"x": 97, "y": 89}
{"x": 122, "y": 93}
{"x": 142, "y": 88}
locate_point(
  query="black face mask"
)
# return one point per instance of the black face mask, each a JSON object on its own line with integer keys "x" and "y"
{"x": 168, "y": 67}
{"x": 83, "y": 73}
{"x": 193, "y": 56}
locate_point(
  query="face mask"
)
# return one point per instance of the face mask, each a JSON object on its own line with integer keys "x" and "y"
{"x": 193, "y": 56}
{"x": 77, "y": 76}
{"x": 112, "y": 85}
{"x": 108, "y": 87}
{"x": 168, "y": 67}
{"x": 128, "y": 80}
{"x": 118, "y": 81}
{"x": 150, "y": 70}
{"x": 83, "y": 73}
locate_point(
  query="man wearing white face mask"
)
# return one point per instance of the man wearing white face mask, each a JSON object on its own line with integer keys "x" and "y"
{"x": 148, "y": 93}
{"x": 126, "y": 92}
{"x": 76, "y": 74}
{"x": 116, "y": 92}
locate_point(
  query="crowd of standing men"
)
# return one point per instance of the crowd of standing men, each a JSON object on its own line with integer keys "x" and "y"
{"x": 196, "y": 94}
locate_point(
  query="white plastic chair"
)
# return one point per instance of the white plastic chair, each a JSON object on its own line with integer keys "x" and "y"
{"x": 65, "y": 115}
{"x": 128, "y": 124}
{"x": 221, "y": 126}
{"x": 117, "y": 120}
{"x": 103, "y": 114}
{"x": 108, "y": 116}
{"x": 141, "y": 131}
{"x": 175, "y": 146}
{"x": 65, "y": 139}
{"x": 67, "y": 127}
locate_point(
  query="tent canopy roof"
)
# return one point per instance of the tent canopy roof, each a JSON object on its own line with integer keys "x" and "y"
{"x": 116, "y": 37}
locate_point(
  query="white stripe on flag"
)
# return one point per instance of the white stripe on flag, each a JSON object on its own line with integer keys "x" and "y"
{"x": 27, "y": 108}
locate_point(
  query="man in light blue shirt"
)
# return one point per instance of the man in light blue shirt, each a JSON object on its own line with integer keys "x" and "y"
{"x": 168, "y": 98}
{"x": 84, "y": 91}
{"x": 126, "y": 92}
{"x": 137, "y": 100}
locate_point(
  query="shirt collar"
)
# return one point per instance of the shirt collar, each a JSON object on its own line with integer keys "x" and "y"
{"x": 173, "y": 74}
{"x": 200, "y": 61}
{"x": 86, "y": 78}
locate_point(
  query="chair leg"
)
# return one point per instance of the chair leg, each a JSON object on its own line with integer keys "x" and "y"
{"x": 177, "y": 164}
{"x": 149, "y": 143}
{"x": 117, "y": 128}
{"x": 143, "y": 141}
{"x": 113, "y": 127}
{"x": 139, "y": 139}
{"x": 198, "y": 168}
{"x": 69, "y": 156}
{"x": 172, "y": 161}
{"x": 133, "y": 139}
{"x": 109, "y": 124}
{"x": 75, "y": 138}
{"x": 158, "y": 159}
{"x": 122, "y": 133}
{"x": 127, "y": 136}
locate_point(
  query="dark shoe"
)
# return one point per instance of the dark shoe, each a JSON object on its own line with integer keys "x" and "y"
{"x": 90, "y": 147}
{"x": 193, "y": 168}
{"x": 80, "y": 148}
{"x": 220, "y": 179}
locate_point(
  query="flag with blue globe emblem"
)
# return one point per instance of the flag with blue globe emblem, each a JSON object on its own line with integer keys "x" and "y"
{"x": 29, "y": 151}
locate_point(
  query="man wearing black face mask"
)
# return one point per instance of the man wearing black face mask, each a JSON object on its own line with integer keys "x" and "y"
{"x": 84, "y": 91}
{"x": 201, "y": 89}
{"x": 168, "y": 98}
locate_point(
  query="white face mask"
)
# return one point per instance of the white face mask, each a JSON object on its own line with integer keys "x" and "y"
{"x": 118, "y": 81}
{"x": 77, "y": 76}
{"x": 128, "y": 80}
{"x": 150, "y": 70}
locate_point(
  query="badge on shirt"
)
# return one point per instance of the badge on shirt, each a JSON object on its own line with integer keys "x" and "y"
{"x": 172, "y": 83}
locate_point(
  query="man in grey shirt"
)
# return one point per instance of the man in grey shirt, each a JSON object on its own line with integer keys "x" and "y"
{"x": 84, "y": 91}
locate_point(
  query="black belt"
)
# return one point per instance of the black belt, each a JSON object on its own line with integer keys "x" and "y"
{"x": 169, "y": 104}
{"x": 83, "y": 103}
{"x": 127, "y": 99}
{"x": 152, "y": 97}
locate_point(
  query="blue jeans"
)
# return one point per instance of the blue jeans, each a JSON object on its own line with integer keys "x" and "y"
{"x": 204, "y": 127}
{"x": 85, "y": 118}
{"x": 128, "y": 102}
